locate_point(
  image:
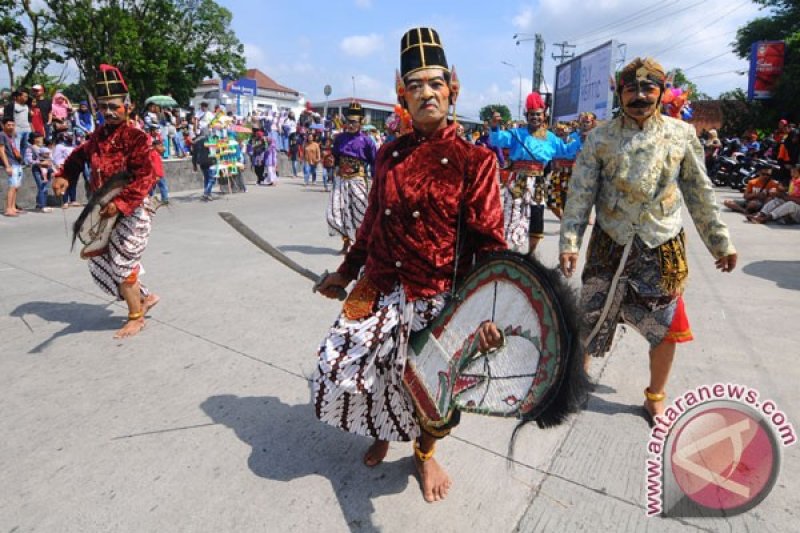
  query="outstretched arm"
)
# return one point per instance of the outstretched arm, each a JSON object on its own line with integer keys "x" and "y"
{"x": 698, "y": 194}
{"x": 583, "y": 187}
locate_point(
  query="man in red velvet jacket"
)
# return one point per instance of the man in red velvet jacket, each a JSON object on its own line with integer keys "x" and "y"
{"x": 405, "y": 251}
{"x": 113, "y": 148}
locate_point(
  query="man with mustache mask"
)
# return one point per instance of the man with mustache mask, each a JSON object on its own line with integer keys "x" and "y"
{"x": 114, "y": 148}
{"x": 525, "y": 194}
{"x": 638, "y": 170}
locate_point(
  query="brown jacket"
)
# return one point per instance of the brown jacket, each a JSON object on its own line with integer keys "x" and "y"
{"x": 312, "y": 154}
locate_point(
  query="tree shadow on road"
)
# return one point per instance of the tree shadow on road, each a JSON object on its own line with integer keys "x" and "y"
{"x": 288, "y": 442}
{"x": 78, "y": 317}
{"x": 786, "y": 274}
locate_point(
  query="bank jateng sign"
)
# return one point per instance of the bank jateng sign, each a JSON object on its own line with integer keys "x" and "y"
{"x": 242, "y": 86}
{"x": 583, "y": 84}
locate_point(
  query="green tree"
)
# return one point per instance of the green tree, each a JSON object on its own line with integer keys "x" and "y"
{"x": 25, "y": 37}
{"x": 738, "y": 115}
{"x": 487, "y": 112}
{"x": 781, "y": 23}
{"x": 679, "y": 79}
{"x": 161, "y": 46}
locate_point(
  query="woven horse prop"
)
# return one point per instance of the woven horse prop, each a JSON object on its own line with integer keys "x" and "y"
{"x": 92, "y": 229}
{"x": 537, "y": 375}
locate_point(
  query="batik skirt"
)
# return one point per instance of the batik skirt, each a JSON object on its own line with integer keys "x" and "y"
{"x": 634, "y": 285}
{"x": 559, "y": 183}
{"x": 121, "y": 262}
{"x": 347, "y": 204}
{"x": 358, "y": 384}
{"x": 523, "y": 204}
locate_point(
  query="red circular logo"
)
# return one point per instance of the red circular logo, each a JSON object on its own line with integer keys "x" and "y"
{"x": 725, "y": 458}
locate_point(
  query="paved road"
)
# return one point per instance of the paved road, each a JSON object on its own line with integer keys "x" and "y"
{"x": 202, "y": 423}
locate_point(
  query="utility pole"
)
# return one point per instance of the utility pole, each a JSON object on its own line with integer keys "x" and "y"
{"x": 622, "y": 50}
{"x": 538, "y": 57}
{"x": 538, "y": 61}
{"x": 564, "y": 55}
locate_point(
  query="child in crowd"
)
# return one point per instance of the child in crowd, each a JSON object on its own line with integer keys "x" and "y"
{"x": 38, "y": 157}
{"x": 158, "y": 169}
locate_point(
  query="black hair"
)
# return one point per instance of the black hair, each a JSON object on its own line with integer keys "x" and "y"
{"x": 6, "y": 120}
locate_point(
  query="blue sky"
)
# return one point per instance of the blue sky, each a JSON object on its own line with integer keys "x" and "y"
{"x": 305, "y": 45}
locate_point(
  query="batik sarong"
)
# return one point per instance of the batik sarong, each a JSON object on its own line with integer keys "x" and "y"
{"x": 635, "y": 285}
{"x": 358, "y": 383}
{"x": 347, "y": 204}
{"x": 122, "y": 261}
{"x": 559, "y": 183}
{"x": 523, "y": 204}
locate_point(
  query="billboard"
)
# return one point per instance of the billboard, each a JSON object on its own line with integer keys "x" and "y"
{"x": 583, "y": 84}
{"x": 242, "y": 86}
{"x": 766, "y": 67}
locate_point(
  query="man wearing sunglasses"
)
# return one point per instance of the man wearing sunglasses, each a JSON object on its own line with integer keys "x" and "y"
{"x": 112, "y": 149}
{"x": 638, "y": 170}
{"x": 353, "y": 152}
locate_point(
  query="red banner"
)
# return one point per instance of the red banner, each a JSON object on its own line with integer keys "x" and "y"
{"x": 766, "y": 67}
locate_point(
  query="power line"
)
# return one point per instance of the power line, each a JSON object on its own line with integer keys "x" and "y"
{"x": 684, "y": 38}
{"x": 693, "y": 43}
{"x": 645, "y": 23}
{"x": 737, "y": 71}
{"x": 707, "y": 61}
{"x": 633, "y": 16}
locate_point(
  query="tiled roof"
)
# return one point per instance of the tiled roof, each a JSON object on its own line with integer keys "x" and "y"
{"x": 262, "y": 81}
{"x": 346, "y": 102}
{"x": 265, "y": 82}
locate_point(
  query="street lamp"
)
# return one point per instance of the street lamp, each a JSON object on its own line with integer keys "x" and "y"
{"x": 519, "y": 98}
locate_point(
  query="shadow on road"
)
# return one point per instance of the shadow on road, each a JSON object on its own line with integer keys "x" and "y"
{"x": 79, "y": 317}
{"x": 288, "y": 442}
{"x": 786, "y": 274}
{"x": 605, "y": 407}
{"x": 308, "y": 250}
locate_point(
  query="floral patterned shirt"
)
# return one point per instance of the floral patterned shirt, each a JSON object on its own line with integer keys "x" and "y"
{"x": 638, "y": 180}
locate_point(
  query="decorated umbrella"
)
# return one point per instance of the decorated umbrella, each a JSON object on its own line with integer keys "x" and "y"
{"x": 161, "y": 100}
{"x": 368, "y": 127}
{"x": 242, "y": 133}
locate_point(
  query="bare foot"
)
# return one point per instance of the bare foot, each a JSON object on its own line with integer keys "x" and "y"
{"x": 150, "y": 302}
{"x": 131, "y": 328}
{"x": 653, "y": 409}
{"x": 434, "y": 480}
{"x": 376, "y": 453}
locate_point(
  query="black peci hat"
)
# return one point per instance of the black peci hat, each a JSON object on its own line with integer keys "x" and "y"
{"x": 110, "y": 83}
{"x": 421, "y": 48}
{"x": 354, "y": 110}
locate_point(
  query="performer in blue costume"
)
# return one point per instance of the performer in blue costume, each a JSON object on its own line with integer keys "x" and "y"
{"x": 525, "y": 194}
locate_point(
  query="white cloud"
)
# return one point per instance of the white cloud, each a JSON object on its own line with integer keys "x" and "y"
{"x": 361, "y": 45}
{"x": 679, "y": 34}
{"x": 523, "y": 19}
{"x": 254, "y": 55}
{"x": 363, "y": 4}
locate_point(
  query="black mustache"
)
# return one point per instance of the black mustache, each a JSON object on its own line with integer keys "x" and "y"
{"x": 640, "y": 103}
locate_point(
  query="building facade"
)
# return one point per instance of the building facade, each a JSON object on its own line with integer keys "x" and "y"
{"x": 375, "y": 112}
{"x": 269, "y": 95}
